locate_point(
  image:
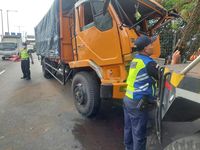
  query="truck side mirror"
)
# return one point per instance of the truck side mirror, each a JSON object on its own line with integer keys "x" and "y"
{"x": 105, "y": 7}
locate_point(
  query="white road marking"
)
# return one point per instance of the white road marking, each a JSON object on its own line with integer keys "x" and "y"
{"x": 2, "y": 72}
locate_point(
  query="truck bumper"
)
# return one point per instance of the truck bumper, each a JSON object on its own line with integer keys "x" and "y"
{"x": 114, "y": 90}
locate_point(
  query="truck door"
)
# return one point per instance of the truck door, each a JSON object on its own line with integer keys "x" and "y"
{"x": 165, "y": 99}
{"x": 97, "y": 34}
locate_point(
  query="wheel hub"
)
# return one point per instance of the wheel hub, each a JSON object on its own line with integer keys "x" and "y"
{"x": 79, "y": 94}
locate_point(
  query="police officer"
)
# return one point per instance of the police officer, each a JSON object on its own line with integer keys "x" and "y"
{"x": 141, "y": 86}
{"x": 25, "y": 62}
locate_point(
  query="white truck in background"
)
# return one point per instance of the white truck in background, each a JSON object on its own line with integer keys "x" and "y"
{"x": 10, "y": 45}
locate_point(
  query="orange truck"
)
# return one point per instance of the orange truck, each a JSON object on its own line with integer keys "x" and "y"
{"x": 91, "y": 42}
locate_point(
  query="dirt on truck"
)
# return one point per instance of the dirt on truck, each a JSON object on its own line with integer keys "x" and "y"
{"x": 91, "y": 41}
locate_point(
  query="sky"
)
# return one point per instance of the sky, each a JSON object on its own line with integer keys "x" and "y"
{"x": 28, "y": 15}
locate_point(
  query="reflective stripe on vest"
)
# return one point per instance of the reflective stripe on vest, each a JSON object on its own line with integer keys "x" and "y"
{"x": 135, "y": 66}
{"x": 24, "y": 54}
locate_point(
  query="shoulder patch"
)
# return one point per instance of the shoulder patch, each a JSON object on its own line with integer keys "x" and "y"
{"x": 133, "y": 65}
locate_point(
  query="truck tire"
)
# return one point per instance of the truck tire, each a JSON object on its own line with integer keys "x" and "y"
{"x": 187, "y": 143}
{"x": 86, "y": 92}
{"x": 3, "y": 58}
{"x": 46, "y": 74}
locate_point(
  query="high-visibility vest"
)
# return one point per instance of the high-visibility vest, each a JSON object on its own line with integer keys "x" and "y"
{"x": 24, "y": 54}
{"x": 139, "y": 83}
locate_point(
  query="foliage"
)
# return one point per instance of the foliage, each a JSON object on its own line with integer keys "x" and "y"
{"x": 189, "y": 35}
{"x": 184, "y": 7}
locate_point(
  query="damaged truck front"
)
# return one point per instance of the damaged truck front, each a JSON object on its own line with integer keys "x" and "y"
{"x": 91, "y": 42}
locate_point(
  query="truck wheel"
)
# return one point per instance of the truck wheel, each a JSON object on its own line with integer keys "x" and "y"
{"x": 187, "y": 143}
{"x": 46, "y": 74}
{"x": 86, "y": 92}
{"x": 3, "y": 58}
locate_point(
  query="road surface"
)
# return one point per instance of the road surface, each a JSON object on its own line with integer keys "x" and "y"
{"x": 40, "y": 115}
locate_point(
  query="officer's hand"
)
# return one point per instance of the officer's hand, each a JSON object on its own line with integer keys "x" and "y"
{"x": 176, "y": 57}
{"x": 32, "y": 62}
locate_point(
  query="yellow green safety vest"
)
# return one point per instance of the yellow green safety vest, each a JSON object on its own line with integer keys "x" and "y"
{"x": 24, "y": 54}
{"x": 139, "y": 83}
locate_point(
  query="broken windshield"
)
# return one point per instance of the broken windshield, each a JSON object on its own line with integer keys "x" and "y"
{"x": 141, "y": 15}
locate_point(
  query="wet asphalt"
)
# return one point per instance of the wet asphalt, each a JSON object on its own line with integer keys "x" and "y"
{"x": 40, "y": 115}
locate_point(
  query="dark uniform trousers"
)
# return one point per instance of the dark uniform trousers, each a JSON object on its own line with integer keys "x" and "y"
{"x": 135, "y": 125}
{"x": 25, "y": 66}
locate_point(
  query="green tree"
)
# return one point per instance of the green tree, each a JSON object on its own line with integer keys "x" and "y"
{"x": 184, "y": 7}
{"x": 192, "y": 28}
{"x": 190, "y": 11}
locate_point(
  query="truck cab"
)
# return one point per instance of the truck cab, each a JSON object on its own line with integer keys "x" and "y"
{"x": 105, "y": 35}
{"x": 92, "y": 43}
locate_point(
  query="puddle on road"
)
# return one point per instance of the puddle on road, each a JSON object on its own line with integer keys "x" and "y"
{"x": 105, "y": 132}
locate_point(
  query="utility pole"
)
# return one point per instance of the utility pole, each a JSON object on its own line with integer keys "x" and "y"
{"x": 8, "y": 18}
{"x": 2, "y": 22}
